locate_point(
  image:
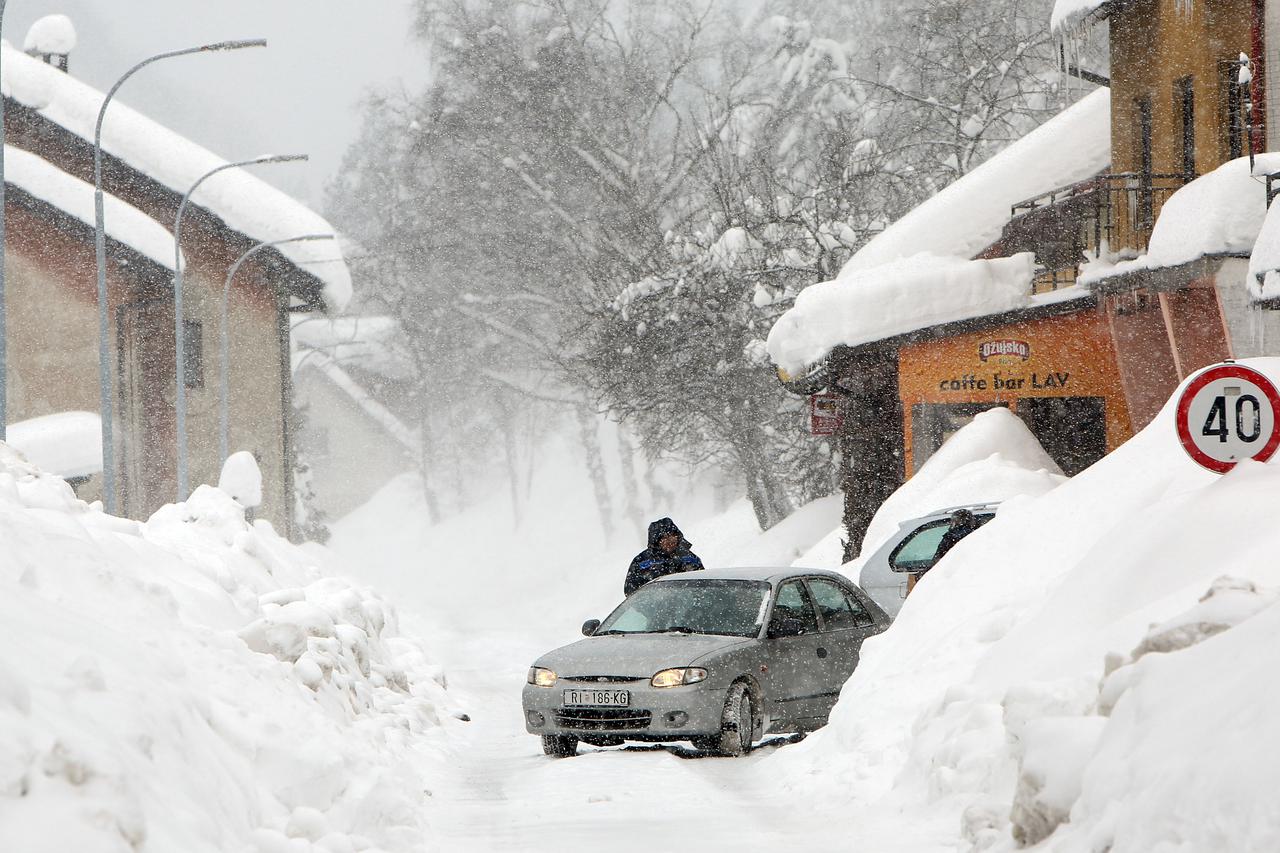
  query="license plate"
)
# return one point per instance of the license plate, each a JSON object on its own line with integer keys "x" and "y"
{"x": 603, "y": 698}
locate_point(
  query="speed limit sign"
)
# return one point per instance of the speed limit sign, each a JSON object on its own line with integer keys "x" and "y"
{"x": 1228, "y": 412}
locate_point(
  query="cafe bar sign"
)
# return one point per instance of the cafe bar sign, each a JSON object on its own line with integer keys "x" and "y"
{"x": 1001, "y": 354}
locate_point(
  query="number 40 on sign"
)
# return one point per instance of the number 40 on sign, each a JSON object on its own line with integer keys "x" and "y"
{"x": 1228, "y": 412}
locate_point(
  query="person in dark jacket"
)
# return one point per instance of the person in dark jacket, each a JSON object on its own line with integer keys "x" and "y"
{"x": 668, "y": 552}
{"x": 963, "y": 522}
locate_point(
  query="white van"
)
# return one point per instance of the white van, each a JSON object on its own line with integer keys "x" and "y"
{"x": 911, "y": 551}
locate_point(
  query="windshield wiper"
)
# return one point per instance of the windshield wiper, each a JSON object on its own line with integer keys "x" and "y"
{"x": 677, "y": 629}
{"x": 609, "y": 631}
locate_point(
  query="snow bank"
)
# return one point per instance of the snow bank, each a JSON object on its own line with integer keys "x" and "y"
{"x": 1015, "y": 631}
{"x": 969, "y": 215}
{"x": 246, "y": 203}
{"x": 196, "y": 683}
{"x": 993, "y": 458}
{"x": 68, "y": 444}
{"x": 123, "y": 222}
{"x": 899, "y": 297}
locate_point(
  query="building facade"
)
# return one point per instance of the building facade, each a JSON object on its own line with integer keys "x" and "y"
{"x": 149, "y": 168}
{"x": 1121, "y": 305}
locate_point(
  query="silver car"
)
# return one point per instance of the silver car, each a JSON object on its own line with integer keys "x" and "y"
{"x": 911, "y": 550}
{"x": 718, "y": 657}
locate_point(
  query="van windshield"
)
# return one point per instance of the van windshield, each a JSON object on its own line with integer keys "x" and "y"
{"x": 734, "y": 608}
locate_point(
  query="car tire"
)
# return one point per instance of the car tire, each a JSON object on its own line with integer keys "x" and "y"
{"x": 561, "y": 746}
{"x": 737, "y": 726}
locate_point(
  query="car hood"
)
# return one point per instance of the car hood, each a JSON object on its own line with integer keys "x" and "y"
{"x": 633, "y": 655}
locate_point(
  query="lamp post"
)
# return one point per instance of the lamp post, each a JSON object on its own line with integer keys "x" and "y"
{"x": 223, "y": 416}
{"x": 4, "y": 330}
{"x": 100, "y": 249}
{"x": 179, "y": 330}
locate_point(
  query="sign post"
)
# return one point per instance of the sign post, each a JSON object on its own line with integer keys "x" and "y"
{"x": 1226, "y": 413}
{"x": 825, "y": 416}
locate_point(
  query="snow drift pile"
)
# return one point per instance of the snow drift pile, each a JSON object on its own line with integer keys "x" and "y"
{"x": 1093, "y": 670}
{"x": 196, "y": 683}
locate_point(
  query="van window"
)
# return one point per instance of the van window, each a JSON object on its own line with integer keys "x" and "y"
{"x": 915, "y": 554}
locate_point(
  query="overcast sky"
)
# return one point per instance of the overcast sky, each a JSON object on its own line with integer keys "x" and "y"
{"x": 301, "y": 93}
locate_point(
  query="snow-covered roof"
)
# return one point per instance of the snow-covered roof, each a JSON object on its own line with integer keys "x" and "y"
{"x": 1219, "y": 214}
{"x": 1073, "y": 14}
{"x": 244, "y": 202}
{"x": 364, "y": 342}
{"x": 332, "y": 370}
{"x": 896, "y": 298}
{"x": 124, "y": 222}
{"x": 966, "y": 217}
{"x": 1264, "y": 264}
{"x": 68, "y": 444}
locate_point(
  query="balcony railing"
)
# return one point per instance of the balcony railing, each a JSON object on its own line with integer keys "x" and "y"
{"x": 1116, "y": 210}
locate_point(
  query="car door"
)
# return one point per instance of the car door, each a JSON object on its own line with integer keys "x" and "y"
{"x": 845, "y": 624}
{"x": 793, "y": 672}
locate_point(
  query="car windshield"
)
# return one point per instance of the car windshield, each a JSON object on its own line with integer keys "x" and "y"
{"x": 731, "y": 607}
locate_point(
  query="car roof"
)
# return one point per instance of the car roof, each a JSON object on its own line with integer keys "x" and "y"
{"x": 990, "y": 506}
{"x": 753, "y": 573}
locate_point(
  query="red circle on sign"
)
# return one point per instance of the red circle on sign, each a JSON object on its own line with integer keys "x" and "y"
{"x": 1225, "y": 371}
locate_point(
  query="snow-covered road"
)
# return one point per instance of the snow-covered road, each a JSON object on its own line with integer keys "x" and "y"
{"x": 506, "y": 795}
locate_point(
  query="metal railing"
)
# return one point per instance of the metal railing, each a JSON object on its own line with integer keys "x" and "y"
{"x": 1064, "y": 225}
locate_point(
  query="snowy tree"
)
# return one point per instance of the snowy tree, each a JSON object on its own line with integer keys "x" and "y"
{"x": 609, "y": 202}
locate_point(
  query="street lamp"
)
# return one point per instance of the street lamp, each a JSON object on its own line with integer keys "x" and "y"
{"x": 179, "y": 330}
{"x": 100, "y": 247}
{"x": 223, "y": 417}
{"x": 4, "y": 338}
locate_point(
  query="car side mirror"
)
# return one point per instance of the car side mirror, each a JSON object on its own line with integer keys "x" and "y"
{"x": 788, "y": 627}
{"x": 589, "y": 627}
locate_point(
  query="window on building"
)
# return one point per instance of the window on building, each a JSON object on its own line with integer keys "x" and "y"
{"x": 1185, "y": 101}
{"x": 1144, "y": 162}
{"x": 1234, "y": 116}
{"x": 193, "y": 353}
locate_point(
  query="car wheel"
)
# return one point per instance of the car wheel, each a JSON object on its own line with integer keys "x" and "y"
{"x": 560, "y": 745}
{"x": 738, "y": 723}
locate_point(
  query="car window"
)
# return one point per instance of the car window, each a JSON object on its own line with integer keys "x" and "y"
{"x": 917, "y": 550}
{"x": 838, "y": 609}
{"x": 793, "y": 603}
{"x": 729, "y": 607}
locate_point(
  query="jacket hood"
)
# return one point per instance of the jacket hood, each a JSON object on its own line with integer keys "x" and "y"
{"x": 663, "y": 527}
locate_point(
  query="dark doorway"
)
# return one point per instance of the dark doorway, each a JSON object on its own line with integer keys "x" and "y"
{"x": 933, "y": 423}
{"x": 1073, "y": 430}
{"x": 145, "y": 367}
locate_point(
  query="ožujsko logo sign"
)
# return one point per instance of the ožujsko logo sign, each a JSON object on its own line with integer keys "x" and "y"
{"x": 1004, "y": 352}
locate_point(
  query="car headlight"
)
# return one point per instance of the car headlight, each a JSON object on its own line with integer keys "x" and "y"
{"x": 677, "y": 677}
{"x": 541, "y": 677}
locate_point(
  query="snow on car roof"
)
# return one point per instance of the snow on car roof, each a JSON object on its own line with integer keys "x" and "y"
{"x": 750, "y": 573}
{"x": 243, "y": 201}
